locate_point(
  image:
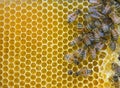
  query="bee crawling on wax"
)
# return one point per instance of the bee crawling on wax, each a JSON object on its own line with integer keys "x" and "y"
{"x": 71, "y": 58}
{"x": 114, "y": 38}
{"x": 116, "y": 69}
{"x": 96, "y": 35}
{"x": 83, "y": 72}
{"x": 115, "y": 81}
{"x": 107, "y": 9}
{"x": 114, "y": 35}
{"x": 99, "y": 46}
{"x": 77, "y": 40}
{"x": 112, "y": 45}
{"x": 115, "y": 18}
{"x": 72, "y": 17}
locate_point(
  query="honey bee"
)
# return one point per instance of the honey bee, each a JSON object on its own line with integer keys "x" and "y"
{"x": 105, "y": 27}
{"x": 79, "y": 26}
{"x": 99, "y": 46}
{"x": 114, "y": 35}
{"x": 83, "y": 54}
{"x": 86, "y": 40}
{"x": 76, "y": 62}
{"x": 69, "y": 57}
{"x": 116, "y": 68}
{"x": 96, "y": 35}
{"x": 112, "y": 45}
{"x": 107, "y": 9}
{"x": 114, "y": 17}
{"x": 87, "y": 17}
{"x": 101, "y": 33}
{"x": 77, "y": 40}
{"x": 73, "y": 57}
{"x": 90, "y": 26}
{"x": 98, "y": 23}
{"x": 115, "y": 81}
{"x": 91, "y": 37}
{"x": 72, "y": 17}
{"x": 83, "y": 72}
{"x": 93, "y": 52}
{"x": 97, "y": 15}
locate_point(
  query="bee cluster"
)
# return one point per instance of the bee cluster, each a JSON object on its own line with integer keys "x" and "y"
{"x": 101, "y": 25}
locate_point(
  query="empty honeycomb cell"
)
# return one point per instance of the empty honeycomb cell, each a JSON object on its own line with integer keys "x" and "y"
{"x": 27, "y": 85}
{"x": 34, "y": 11}
{"x": 29, "y": 14}
{"x": 12, "y": 11}
{"x": 12, "y": 23}
{"x": 23, "y": 4}
{"x": 5, "y": 81}
{"x": 95, "y": 82}
{"x": 24, "y": 11}
{"x": 11, "y": 83}
{"x": 7, "y": 20}
{"x": 85, "y": 10}
{"x": 7, "y": 26}
{"x": 11, "y": 77}
{"x": 1, "y": 11}
{"x": 29, "y": 8}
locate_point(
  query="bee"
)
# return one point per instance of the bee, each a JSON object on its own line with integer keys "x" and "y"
{"x": 95, "y": 8}
{"x": 96, "y": 35}
{"x": 115, "y": 81}
{"x": 112, "y": 45}
{"x": 97, "y": 15}
{"x": 77, "y": 40}
{"x": 114, "y": 35}
{"x": 114, "y": 17}
{"x": 86, "y": 40}
{"x": 69, "y": 57}
{"x": 98, "y": 23}
{"x": 70, "y": 72}
{"x": 93, "y": 52}
{"x": 77, "y": 53}
{"x": 107, "y": 9}
{"x": 99, "y": 46}
{"x": 73, "y": 57}
{"x": 83, "y": 54}
{"x": 76, "y": 62}
{"x": 72, "y": 17}
{"x": 91, "y": 37}
{"x": 83, "y": 72}
{"x": 90, "y": 26}
{"x": 116, "y": 68}
{"x": 101, "y": 33}
{"x": 87, "y": 17}
{"x": 105, "y": 27}
{"x": 79, "y": 26}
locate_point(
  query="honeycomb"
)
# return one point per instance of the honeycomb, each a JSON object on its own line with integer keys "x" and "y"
{"x": 34, "y": 37}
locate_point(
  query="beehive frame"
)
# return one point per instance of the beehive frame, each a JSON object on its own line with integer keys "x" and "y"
{"x": 34, "y": 37}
